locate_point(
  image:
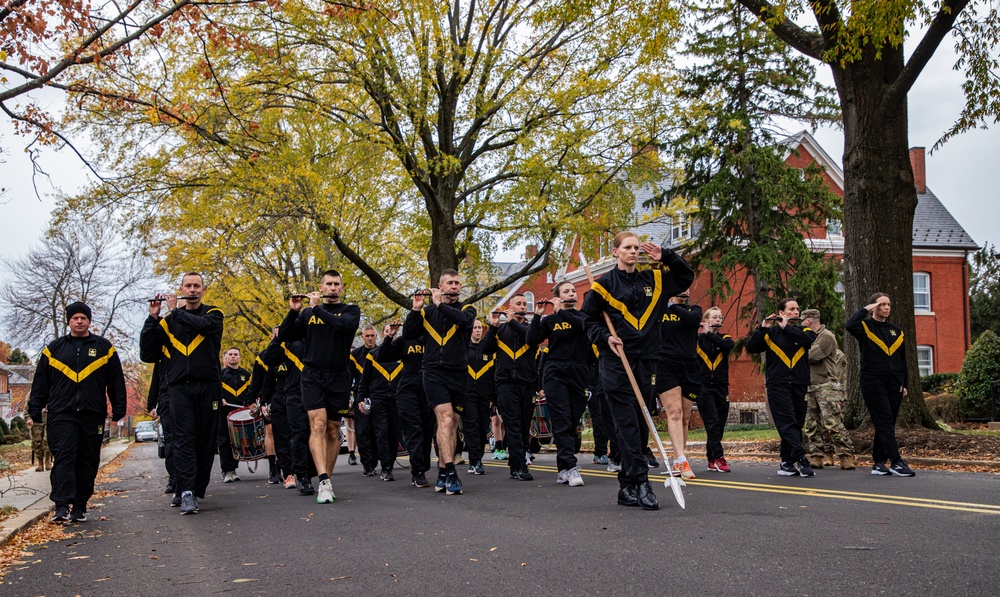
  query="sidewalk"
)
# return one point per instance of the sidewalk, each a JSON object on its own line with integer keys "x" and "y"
{"x": 30, "y": 494}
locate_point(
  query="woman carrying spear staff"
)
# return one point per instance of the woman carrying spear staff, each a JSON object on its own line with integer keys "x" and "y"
{"x": 622, "y": 315}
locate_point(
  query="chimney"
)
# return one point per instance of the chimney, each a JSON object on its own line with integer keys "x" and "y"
{"x": 919, "y": 171}
{"x": 530, "y": 251}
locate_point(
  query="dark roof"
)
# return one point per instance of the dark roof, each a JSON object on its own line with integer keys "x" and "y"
{"x": 935, "y": 227}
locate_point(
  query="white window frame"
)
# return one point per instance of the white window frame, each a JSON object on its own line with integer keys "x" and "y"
{"x": 925, "y": 359}
{"x": 834, "y": 229}
{"x": 529, "y": 297}
{"x": 926, "y": 291}
{"x": 680, "y": 228}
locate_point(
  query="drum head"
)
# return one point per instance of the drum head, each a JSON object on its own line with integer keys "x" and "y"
{"x": 241, "y": 415}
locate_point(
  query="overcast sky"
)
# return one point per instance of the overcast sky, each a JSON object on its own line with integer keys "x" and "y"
{"x": 958, "y": 173}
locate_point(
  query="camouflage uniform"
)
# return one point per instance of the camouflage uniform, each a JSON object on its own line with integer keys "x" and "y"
{"x": 824, "y": 433}
{"x": 824, "y": 430}
{"x": 40, "y": 445}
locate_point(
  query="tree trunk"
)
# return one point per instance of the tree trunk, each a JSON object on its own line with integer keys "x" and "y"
{"x": 879, "y": 203}
{"x": 441, "y": 252}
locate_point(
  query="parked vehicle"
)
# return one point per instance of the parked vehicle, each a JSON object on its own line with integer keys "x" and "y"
{"x": 145, "y": 431}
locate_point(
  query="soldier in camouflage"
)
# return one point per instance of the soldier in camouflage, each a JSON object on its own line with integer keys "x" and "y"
{"x": 824, "y": 431}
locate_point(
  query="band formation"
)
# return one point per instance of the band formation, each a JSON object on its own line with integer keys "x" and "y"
{"x": 445, "y": 376}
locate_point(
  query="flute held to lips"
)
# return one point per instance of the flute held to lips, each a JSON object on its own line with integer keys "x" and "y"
{"x": 160, "y": 299}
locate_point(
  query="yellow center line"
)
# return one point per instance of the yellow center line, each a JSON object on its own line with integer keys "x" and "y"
{"x": 807, "y": 492}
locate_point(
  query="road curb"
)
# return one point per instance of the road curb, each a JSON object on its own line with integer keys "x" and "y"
{"x": 35, "y": 512}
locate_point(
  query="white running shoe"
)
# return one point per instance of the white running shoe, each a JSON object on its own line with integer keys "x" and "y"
{"x": 573, "y": 477}
{"x": 614, "y": 467}
{"x": 325, "y": 493}
{"x": 561, "y": 478}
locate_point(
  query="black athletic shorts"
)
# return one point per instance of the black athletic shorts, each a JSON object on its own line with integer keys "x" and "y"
{"x": 444, "y": 386}
{"x": 326, "y": 389}
{"x": 683, "y": 374}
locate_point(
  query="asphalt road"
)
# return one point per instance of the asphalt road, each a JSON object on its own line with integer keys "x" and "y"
{"x": 746, "y": 533}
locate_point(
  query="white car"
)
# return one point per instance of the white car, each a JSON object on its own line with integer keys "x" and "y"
{"x": 145, "y": 431}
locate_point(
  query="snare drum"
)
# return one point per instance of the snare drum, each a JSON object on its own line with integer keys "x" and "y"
{"x": 246, "y": 434}
{"x": 541, "y": 425}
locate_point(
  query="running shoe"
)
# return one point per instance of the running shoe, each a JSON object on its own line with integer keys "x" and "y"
{"x": 652, "y": 462}
{"x": 189, "y": 503}
{"x": 805, "y": 469}
{"x": 479, "y": 468}
{"x": 305, "y": 487}
{"x": 228, "y": 477}
{"x": 521, "y": 475}
{"x": 352, "y": 459}
{"x": 452, "y": 485}
{"x": 61, "y": 515}
{"x": 504, "y": 455}
{"x": 573, "y": 477}
{"x": 722, "y": 466}
{"x": 561, "y": 478}
{"x": 325, "y": 493}
{"x": 880, "y": 469}
{"x": 459, "y": 459}
{"x": 682, "y": 470}
{"x": 614, "y": 467}
{"x": 77, "y": 514}
{"x": 441, "y": 481}
{"x": 419, "y": 480}
{"x": 175, "y": 501}
{"x": 387, "y": 475}
{"x": 900, "y": 469}
{"x": 787, "y": 469}
{"x": 171, "y": 486}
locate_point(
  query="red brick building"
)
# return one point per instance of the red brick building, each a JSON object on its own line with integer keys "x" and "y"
{"x": 940, "y": 274}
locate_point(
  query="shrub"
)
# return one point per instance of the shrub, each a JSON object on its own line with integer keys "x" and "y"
{"x": 939, "y": 383}
{"x": 944, "y": 407}
{"x": 981, "y": 365}
{"x": 18, "y": 424}
{"x": 3, "y": 427}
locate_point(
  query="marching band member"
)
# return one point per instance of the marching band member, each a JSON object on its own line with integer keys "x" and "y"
{"x": 416, "y": 421}
{"x": 565, "y": 375}
{"x": 677, "y": 380}
{"x": 884, "y": 379}
{"x": 634, "y": 301}
{"x": 327, "y": 326}
{"x": 364, "y": 429}
{"x": 444, "y": 327}
{"x": 192, "y": 335}
{"x": 516, "y": 381}
{"x": 786, "y": 379}
{"x": 378, "y": 386}
{"x": 235, "y": 383}
{"x": 713, "y": 400}
{"x": 480, "y": 393}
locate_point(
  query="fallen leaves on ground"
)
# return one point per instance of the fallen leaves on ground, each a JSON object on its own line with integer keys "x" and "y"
{"x": 43, "y": 531}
